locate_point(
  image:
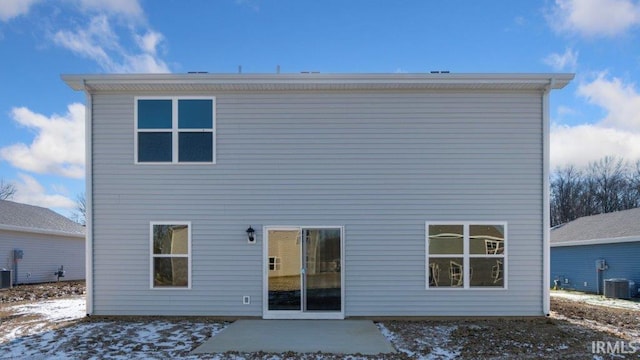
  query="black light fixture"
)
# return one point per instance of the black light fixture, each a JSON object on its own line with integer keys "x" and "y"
{"x": 251, "y": 235}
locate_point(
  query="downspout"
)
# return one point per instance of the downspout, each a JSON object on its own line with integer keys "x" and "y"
{"x": 89, "y": 201}
{"x": 546, "y": 207}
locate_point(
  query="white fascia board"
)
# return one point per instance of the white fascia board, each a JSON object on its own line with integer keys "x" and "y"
{"x": 597, "y": 241}
{"x": 40, "y": 231}
{"x": 137, "y": 82}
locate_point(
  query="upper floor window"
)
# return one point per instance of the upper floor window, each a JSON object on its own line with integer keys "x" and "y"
{"x": 466, "y": 255}
{"x": 175, "y": 130}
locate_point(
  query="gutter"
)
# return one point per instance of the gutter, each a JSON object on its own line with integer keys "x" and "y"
{"x": 41, "y": 231}
{"x": 280, "y": 82}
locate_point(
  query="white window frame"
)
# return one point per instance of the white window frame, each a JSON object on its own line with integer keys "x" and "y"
{"x": 175, "y": 130}
{"x": 466, "y": 256}
{"x": 153, "y": 256}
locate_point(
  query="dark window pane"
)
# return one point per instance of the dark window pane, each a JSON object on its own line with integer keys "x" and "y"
{"x": 195, "y": 114}
{"x": 487, "y": 272}
{"x": 154, "y": 114}
{"x": 195, "y": 147}
{"x": 170, "y": 239}
{"x": 154, "y": 147}
{"x": 171, "y": 271}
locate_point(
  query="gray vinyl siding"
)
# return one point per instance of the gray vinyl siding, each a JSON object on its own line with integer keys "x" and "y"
{"x": 43, "y": 255}
{"x": 378, "y": 163}
{"x": 574, "y": 266}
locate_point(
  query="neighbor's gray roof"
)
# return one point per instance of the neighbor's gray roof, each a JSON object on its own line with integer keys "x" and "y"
{"x": 22, "y": 217}
{"x": 619, "y": 224}
{"x": 93, "y": 83}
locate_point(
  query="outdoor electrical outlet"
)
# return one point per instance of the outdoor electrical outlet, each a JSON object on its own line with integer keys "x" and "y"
{"x": 246, "y": 300}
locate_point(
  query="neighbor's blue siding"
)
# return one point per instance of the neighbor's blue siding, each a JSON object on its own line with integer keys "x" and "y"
{"x": 577, "y": 264}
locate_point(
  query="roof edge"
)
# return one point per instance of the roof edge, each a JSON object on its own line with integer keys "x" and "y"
{"x": 40, "y": 231}
{"x": 597, "y": 241}
{"x": 89, "y": 82}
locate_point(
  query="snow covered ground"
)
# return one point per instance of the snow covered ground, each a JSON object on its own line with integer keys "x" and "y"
{"x": 597, "y": 300}
{"x": 54, "y": 329}
{"x": 58, "y": 329}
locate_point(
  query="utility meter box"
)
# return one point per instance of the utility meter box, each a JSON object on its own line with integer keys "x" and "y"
{"x": 601, "y": 265}
{"x": 18, "y": 254}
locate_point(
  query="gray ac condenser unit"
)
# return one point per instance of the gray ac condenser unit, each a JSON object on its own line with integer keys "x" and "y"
{"x": 618, "y": 288}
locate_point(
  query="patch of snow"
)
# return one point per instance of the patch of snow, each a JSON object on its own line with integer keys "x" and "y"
{"x": 54, "y": 310}
{"x": 594, "y": 299}
{"x": 437, "y": 339}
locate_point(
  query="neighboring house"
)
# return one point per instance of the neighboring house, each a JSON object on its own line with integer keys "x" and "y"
{"x": 591, "y": 249}
{"x": 36, "y": 242}
{"x": 372, "y": 194}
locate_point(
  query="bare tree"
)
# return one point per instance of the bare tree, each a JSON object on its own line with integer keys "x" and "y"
{"x": 567, "y": 192}
{"x": 607, "y": 185}
{"x": 7, "y": 190}
{"x": 80, "y": 212}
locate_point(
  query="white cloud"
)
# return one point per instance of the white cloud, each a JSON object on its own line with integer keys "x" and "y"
{"x": 582, "y": 144}
{"x": 30, "y": 191}
{"x": 99, "y": 42}
{"x": 565, "y": 110}
{"x": 58, "y": 147}
{"x": 618, "y": 133}
{"x": 92, "y": 42}
{"x": 594, "y": 17}
{"x": 561, "y": 62}
{"x": 621, "y": 101}
{"x": 252, "y": 4}
{"x": 129, "y": 8}
{"x": 149, "y": 42}
{"x": 10, "y": 9}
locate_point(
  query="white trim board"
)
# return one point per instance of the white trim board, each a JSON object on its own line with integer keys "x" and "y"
{"x": 617, "y": 240}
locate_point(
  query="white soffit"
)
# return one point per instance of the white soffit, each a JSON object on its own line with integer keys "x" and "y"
{"x": 301, "y": 82}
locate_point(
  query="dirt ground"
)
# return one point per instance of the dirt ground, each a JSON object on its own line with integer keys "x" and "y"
{"x": 568, "y": 333}
{"x": 46, "y": 291}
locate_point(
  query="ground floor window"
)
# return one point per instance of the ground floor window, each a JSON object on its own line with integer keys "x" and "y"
{"x": 170, "y": 254}
{"x": 465, "y": 254}
{"x": 274, "y": 263}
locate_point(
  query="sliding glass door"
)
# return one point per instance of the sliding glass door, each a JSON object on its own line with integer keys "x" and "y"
{"x": 304, "y": 272}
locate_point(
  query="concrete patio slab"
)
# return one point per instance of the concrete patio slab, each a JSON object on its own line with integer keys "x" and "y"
{"x": 302, "y": 336}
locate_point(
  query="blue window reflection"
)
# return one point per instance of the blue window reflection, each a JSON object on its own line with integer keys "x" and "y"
{"x": 154, "y": 114}
{"x": 195, "y": 114}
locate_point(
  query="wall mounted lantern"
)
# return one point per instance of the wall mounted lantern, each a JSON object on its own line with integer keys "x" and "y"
{"x": 251, "y": 235}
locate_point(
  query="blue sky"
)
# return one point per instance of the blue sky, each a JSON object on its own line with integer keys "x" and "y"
{"x": 41, "y": 119}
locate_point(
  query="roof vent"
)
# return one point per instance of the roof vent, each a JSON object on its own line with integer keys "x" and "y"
{"x": 440, "y": 72}
{"x": 197, "y": 72}
{"x": 309, "y": 72}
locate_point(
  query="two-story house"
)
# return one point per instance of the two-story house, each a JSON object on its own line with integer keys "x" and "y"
{"x": 318, "y": 195}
